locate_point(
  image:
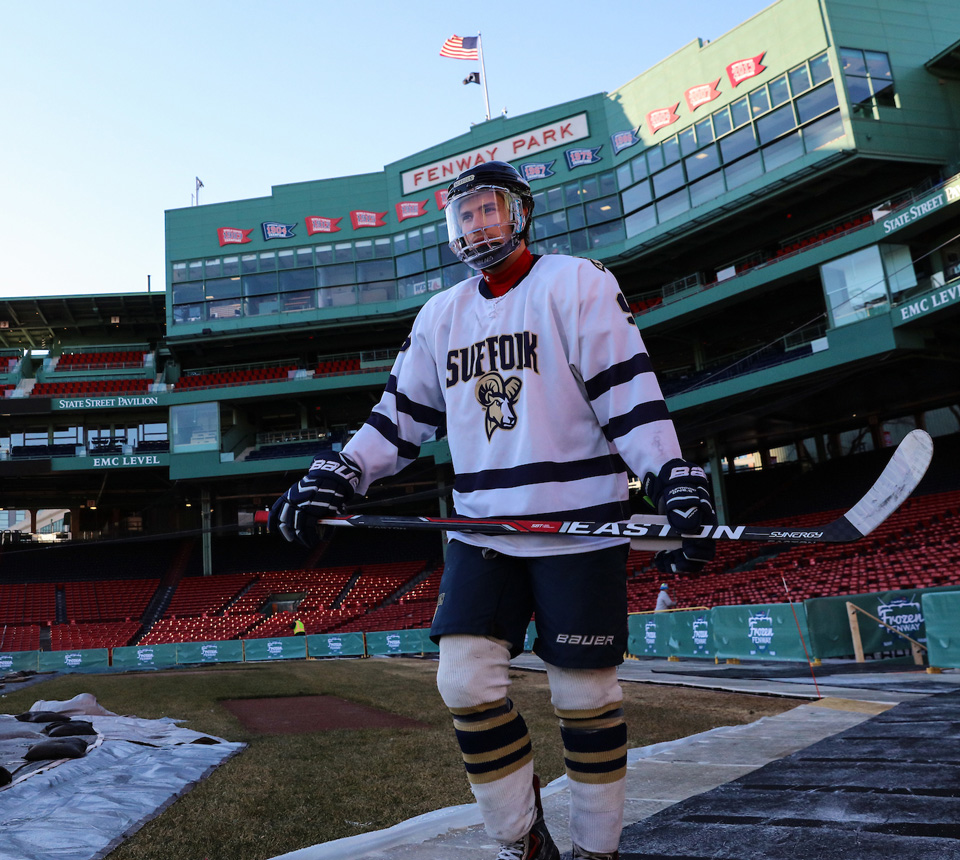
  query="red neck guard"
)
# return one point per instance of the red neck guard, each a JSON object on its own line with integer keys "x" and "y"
{"x": 500, "y": 282}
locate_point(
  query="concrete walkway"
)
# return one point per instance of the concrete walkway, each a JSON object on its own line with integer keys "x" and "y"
{"x": 664, "y": 776}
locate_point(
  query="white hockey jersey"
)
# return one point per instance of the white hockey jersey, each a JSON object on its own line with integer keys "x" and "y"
{"x": 543, "y": 391}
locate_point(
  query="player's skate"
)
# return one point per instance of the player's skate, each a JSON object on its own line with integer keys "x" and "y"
{"x": 537, "y": 844}
{"x": 594, "y": 855}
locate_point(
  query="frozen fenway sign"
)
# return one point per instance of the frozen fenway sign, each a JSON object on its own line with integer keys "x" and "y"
{"x": 760, "y": 632}
{"x": 903, "y": 614}
{"x": 522, "y": 145}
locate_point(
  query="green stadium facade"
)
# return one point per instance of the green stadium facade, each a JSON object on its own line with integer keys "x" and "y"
{"x": 781, "y": 207}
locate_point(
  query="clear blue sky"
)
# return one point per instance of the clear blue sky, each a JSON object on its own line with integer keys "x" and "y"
{"x": 110, "y": 108}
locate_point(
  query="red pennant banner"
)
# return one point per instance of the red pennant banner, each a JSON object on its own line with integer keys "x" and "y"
{"x": 319, "y": 224}
{"x": 411, "y": 209}
{"x": 662, "y": 117}
{"x": 743, "y": 70}
{"x": 702, "y": 94}
{"x": 233, "y": 236}
{"x": 361, "y": 218}
{"x": 441, "y": 198}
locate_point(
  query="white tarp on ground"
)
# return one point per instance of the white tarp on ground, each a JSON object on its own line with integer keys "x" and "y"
{"x": 431, "y": 824}
{"x": 81, "y": 809}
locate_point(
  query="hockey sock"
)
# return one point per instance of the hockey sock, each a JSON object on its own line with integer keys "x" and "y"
{"x": 595, "y": 755}
{"x": 595, "y": 752}
{"x": 473, "y": 679}
{"x": 498, "y": 757}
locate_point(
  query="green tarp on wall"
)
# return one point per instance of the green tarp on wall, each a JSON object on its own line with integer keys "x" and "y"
{"x": 142, "y": 656}
{"x": 764, "y": 631}
{"x": 78, "y": 660}
{"x": 228, "y": 651}
{"x": 335, "y": 645}
{"x": 530, "y": 636}
{"x": 647, "y": 634}
{"x": 397, "y": 642}
{"x": 19, "y": 661}
{"x": 901, "y": 609}
{"x": 277, "y": 648}
{"x": 941, "y": 610}
{"x": 684, "y": 633}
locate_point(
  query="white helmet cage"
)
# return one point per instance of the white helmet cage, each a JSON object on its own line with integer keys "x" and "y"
{"x": 485, "y": 224}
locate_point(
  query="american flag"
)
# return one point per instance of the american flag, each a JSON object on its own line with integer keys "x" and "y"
{"x": 461, "y": 49}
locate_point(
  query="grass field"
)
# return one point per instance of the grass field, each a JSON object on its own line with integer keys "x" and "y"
{"x": 290, "y": 791}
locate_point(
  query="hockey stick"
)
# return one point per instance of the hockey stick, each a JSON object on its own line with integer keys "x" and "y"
{"x": 897, "y": 481}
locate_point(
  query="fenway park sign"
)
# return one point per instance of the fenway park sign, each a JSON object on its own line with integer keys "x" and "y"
{"x": 522, "y": 145}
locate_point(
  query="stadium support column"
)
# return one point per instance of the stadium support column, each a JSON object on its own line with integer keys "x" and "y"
{"x": 205, "y": 534}
{"x": 716, "y": 479}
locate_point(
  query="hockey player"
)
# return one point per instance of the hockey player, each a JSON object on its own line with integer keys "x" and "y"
{"x": 548, "y": 394}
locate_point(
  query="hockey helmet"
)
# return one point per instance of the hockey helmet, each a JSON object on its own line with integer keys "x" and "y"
{"x": 488, "y": 213}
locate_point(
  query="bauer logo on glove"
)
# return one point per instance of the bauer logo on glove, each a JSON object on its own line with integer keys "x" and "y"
{"x": 323, "y": 492}
{"x": 682, "y": 492}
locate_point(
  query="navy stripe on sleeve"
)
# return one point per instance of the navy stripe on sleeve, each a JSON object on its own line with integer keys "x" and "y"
{"x": 386, "y": 428}
{"x": 642, "y": 413}
{"x": 419, "y": 412}
{"x": 622, "y": 372}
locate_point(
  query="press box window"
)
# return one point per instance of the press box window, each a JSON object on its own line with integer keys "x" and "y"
{"x": 195, "y": 427}
{"x": 869, "y": 79}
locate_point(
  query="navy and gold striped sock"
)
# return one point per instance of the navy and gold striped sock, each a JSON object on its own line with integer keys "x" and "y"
{"x": 595, "y": 755}
{"x": 594, "y": 744}
{"x": 493, "y": 739}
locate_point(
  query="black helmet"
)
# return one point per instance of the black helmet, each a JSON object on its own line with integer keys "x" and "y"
{"x": 488, "y": 213}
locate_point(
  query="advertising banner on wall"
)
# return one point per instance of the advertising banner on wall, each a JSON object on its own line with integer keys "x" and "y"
{"x": 19, "y": 661}
{"x": 278, "y": 648}
{"x": 684, "y": 633}
{"x": 335, "y": 645}
{"x": 396, "y": 642}
{"x": 647, "y": 634}
{"x": 900, "y": 609}
{"x": 145, "y": 656}
{"x": 230, "y": 651}
{"x": 78, "y": 660}
{"x": 766, "y": 631}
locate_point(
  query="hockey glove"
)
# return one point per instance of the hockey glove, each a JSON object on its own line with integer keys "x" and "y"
{"x": 322, "y": 492}
{"x": 682, "y": 492}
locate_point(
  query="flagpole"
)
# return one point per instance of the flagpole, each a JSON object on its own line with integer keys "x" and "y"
{"x": 483, "y": 75}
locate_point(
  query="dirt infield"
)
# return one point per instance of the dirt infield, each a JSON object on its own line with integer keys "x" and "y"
{"x": 292, "y": 715}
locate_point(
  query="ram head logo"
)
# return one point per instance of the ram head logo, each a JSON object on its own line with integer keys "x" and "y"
{"x": 497, "y": 398}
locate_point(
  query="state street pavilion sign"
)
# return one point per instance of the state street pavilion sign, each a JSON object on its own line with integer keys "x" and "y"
{"x": 113, "y": 401}
{"x": 522, "y": 145}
